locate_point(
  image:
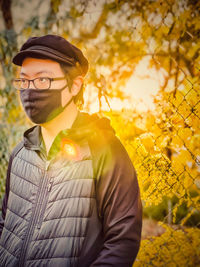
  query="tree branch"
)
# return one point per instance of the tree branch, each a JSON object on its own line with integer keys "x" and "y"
{"x": 7, "y": 15}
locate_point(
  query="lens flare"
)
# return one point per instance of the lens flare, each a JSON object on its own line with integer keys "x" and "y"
{"x": 70, "y": 149}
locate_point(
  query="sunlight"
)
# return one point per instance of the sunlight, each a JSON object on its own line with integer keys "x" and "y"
{"x": 141, "y": 88}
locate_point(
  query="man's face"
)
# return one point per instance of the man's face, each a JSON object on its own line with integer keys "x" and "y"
{"x": 36, "y": 68}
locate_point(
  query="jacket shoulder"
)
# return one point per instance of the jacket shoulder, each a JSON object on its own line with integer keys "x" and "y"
{"x": 16, "y": 149}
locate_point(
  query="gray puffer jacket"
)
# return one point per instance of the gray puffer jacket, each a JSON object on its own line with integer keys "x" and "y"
{"x": 78, "y": 206}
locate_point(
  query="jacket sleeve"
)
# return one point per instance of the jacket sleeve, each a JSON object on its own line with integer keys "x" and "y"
{"x": 119, "y": 206}
{"x": 5, "y": 198}
{"x": 6, "y": 195}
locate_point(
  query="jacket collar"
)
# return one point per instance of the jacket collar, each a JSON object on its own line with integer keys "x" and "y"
{"x": 83, "y": 125}
{"x": 33, "y": 138}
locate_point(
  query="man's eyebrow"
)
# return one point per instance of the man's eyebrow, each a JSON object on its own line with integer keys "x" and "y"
{"x": 22, "y": 73}
{"x": 38, "y": 73}
{"x": 44, "y": 71}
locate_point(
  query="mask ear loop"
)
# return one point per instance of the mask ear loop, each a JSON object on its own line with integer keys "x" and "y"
{"x": 69, "y": 81}
{"x": 69, "y": 85}
{"x": 78, "y": 102}
{"x": 72, "y": 98}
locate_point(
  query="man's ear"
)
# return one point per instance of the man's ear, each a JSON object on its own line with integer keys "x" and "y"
{"x": 76, "y": 86}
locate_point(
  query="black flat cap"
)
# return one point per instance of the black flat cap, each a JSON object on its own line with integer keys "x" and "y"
{"x": 52, "y": 47}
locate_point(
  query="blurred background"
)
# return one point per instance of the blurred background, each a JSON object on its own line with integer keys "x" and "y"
{"x": 145, "y": 76}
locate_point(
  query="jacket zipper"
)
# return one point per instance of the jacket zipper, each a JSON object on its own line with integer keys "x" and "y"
{"x": 43, "y": 206}
{"x": 34, "y": 218}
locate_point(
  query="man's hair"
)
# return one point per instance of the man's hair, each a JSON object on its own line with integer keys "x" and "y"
{"x": 71, "y": 73}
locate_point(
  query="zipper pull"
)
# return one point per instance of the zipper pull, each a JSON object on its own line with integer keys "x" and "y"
{"x": 49, "y": 186}
{"x": 47, "y": 163}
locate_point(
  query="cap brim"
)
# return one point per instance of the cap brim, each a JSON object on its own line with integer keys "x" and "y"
{"x": 19, "y": 58}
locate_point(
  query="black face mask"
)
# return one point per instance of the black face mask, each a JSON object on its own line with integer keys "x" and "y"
{"x": 42, "y": 105}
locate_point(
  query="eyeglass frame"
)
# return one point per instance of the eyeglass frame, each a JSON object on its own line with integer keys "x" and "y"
{"x": 50, "y": 81}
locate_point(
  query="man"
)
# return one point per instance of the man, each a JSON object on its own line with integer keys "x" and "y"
{"x": 72, "y": 196}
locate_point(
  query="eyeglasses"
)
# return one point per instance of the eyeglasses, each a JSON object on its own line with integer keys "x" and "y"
{"x": 39, "y": 83}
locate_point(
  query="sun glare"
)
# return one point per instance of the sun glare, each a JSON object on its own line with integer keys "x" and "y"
{"x": 141, "y": 88}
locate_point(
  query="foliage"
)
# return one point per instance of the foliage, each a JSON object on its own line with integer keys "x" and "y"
{"x": 176, "y": 247}
{"x": 3, "y": 158}
{"x": 158, "y": 175}
{"x": 160, "y": 212}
